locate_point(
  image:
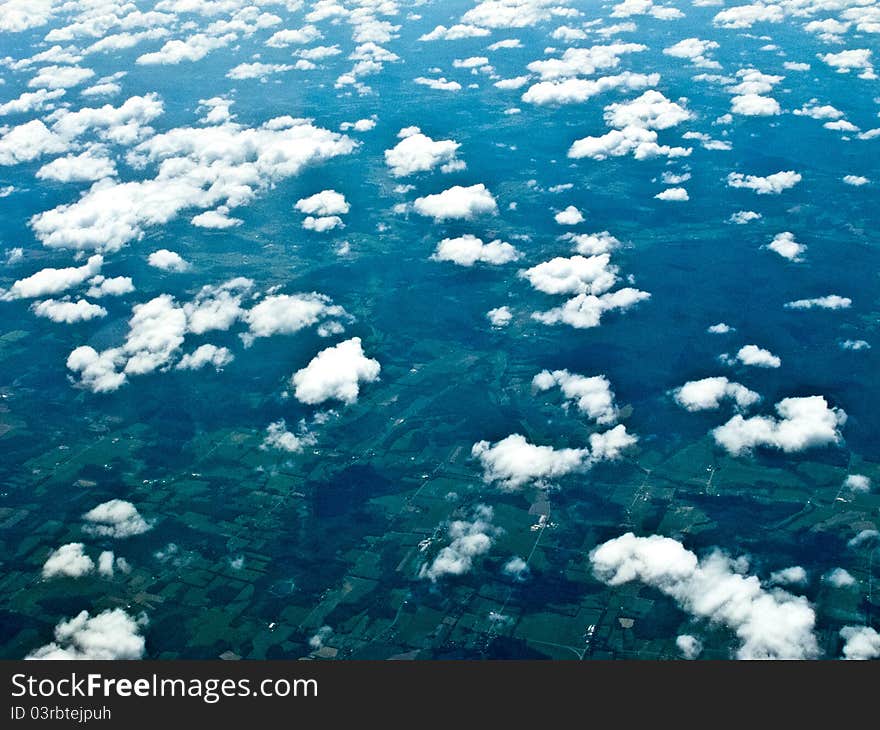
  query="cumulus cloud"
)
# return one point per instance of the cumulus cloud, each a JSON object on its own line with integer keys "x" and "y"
{"x": 586, "y": 310}
{"x": 635, "y": 140}
{"x": 862, "y": 642}
{"x": 69, "y": 560}
{"x": 500, "y": 316}
{"x": 513, "y": 461}
{"x": 102, "y": 286}
{"x": 770, "y": 624}
{"x": 167, "y": 260}
{"x": 285, "y": 314}
{"x": 757, "y": 357}
{"x": 279, "y": 437}
{"x": 49, "y": 281}
{"x": 673, "y": 194}
{"x": 770, "y": 185}
{"x": 469, "y": 540}
{"x": 335, "y": 372}
{"x": 325, "y": 203}
{"x": 573, "y": 275}
{"x": 577, "y": 90}
{"x": 689, "y": 646}
{"x": 224, "y": 164}
{"x": 27, "y": 142}
{"x": 785, "y": 245}
{"x": 755, "y": 105}
{"x": 116, "y": 518}
{"x": 109, "y": 635}
{"x": 571, "y": 216}
{"x": 457, "y": 202}
{"x": 857, "y": 482}
{"x": 592, "y": 396}
{"x": 68, "y": 312}
{"x": 205, "y": 355}
{"x": 86, "y": 167}
{"x": 468, "y": 249}
{"x": 840, "y": 578}
{"x": 802, "y": 423}
{"x": 707, "y": 394}
{"x": 831, "y": 301}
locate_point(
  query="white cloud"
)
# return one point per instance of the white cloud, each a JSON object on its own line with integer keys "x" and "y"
{"x": 803, "y": 423}
{"x": 845, "y": 61}
{"x": 101, "y": 286}
{"x": 289, "y": 313}
{"x": 707, "y": 394}
{"x": 204, "y": 355}
{"x": 167, "y": 260}
{"x": 216, "y": 219}
{"x": 457, "y": 202}
{"x": 721, "y": 328}
{"x": 500, "y": 316}
{"x": 468, "y": 249}
{"x": 689, "y": 646}
{"x": 60, "y": 77}
{"x": 673, "y": 194}
{"x": 325, "y": 203}
{"x": 856, "y": 180}
{"x": 296, "y": 36}
{"x": 772, "y": 184}
{"x": 744, "y": 16}
{"x": 27, "y": 142}
{"x": 469, "y": 540}
{"x": 857, "y": 482}
{"x": 585, "y": 310}
{"x": 50, "y": 281}
{"x": 785, "y": 245}
{"x": 840, "y": 578}
{"x": 417, "y": 152}
{"x": 793, "y": 576}
{"x": 591, "y": 244}
{"x": 322, "y": 224}
{"x": 584, "y": 61}
{"x": 116, "y": 518}
{"x": 30, "y": 101}
{"x": 440, "y": 84}
{"x": 335, "y": 372}
{"x": 68, "y": 312}
{"x": 513, "y": 461}
{"x": 86, "y": 167}
{"x": 862, "y": 642}
{"x": 694, "y": 50}
{"x": 741, "y": 217}
{"x": 592, "y": 396}
{"x": 573, "y": 275}
{"x": 769, "y": 624}
{"x": 641, "y": 142}
{"x": 111, "y": 634}
{"x": 69, "y": 560}
{"x": 831, "y": 301}
{"x": 755, "y": 105}
{"x": 192, "y": 49}
{"x": 651, "y": 110}
{"x": 571, "y": 216}
{"x": 757, "y": 357}
{"x": 455, "y": 32}
{"x": 576, "y": 90}
{"x": 278, "y": 437}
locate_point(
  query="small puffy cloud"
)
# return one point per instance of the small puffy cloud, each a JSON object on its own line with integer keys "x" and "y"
{"x": 204, "y": 355}
{"x": 573, "y": 275}
{"x": 689, "y": 646}
{"x": 814, "y": 110}
{"x": 440, "y": 84}
{"x": 673, "y": 194}
{"x": 116, "y": 518}
{"x": 457, "y": 202}
{"x": 280, "y": 438}
{"x": 571, "y": 216}
{"x": 68, "y": 312}
{"x": 757, "y": 357}
{"x": 193, "y": 48}
{"x": 101, "y": 286}
{"x": 855, "y": 345}
{"x": 831, "y": 301}
{"x": 469, "y": 540}
{"x": 722, "y": 328}
{"x": 500, "y": 316}
{"x": 850, "y": 59}
{"x": 855, "y": 180}
{"x": 744, "y": 16}
{"x": 325, "y": 203}
{"x": 86, "y": 167}
{"x": 741, "y": 217}
{"x": 577, "y": 90}
{"x": 755, "y": 105}
{"x": 110, "y": 635}
{"x": 455, "y": 32}
{"x": 802, "y": 423}
{"x": 586, "y": 310}
{"x": 468, "y": 249}
{"x": 651, "y": 110}
{"x": 769, "y": 624}
{"x": 49, "y": 281}
{"x": 707, "y": 394}
{"x": 513, "y": 461}
{"x": 294, "y": 37}
{"x": 167, "y": 260}
{"x": 592, "y": 396}
{"x": 770, "y": 185}
{"x": 69, "y": 560}
{"x": 335, "y": 372}
{"x": 840, "y": 578}
{"x": 215, "y": 219}
{"x": 793, "y": 576}
{"x": 27, "y": 142}
{"x": 591, "y": 244}
{"x": 257, "y": 70}
{"x": 60, "y": 77}
{"x": 285, "y": 314}
{"x": 516, "y": 568}
{"x": 862, "y": 642}
{"x": 322, "y": 224}
{"x": 416, "y": 152}
{"x": 785, "y": 245}
{"x": 635, "y": 140}
{"x": 694, "y": 50}
{"x": 857, "y": 482}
